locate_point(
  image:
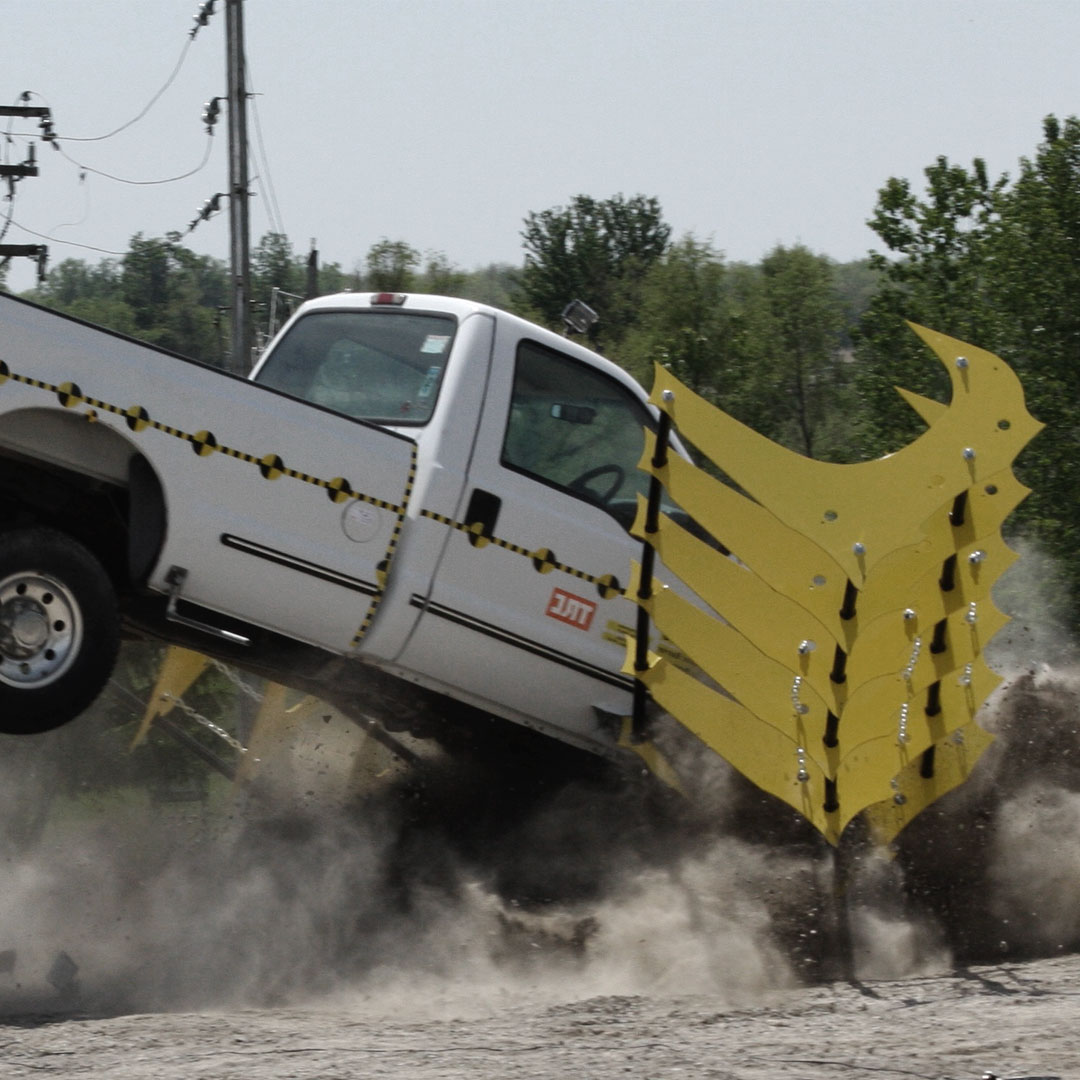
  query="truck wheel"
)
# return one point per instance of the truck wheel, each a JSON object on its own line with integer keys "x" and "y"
{"x": 59, "y": 630}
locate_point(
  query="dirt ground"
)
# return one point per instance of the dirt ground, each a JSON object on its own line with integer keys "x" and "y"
{"x": 145, "y": 940}
{"x": 1011, "y": 1020}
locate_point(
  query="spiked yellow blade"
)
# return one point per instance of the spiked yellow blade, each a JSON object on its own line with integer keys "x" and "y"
{"x": 179, "y": 669}
{"x": 838, "y": 648}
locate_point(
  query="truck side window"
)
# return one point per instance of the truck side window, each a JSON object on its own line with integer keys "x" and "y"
{"x": 574, "y": 428}
{"x": 385, "y": 367}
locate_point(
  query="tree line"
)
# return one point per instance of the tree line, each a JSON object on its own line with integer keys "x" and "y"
{"x": 802, "y": 348}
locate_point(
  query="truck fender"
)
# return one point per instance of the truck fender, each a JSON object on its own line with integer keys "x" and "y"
{"x": 72, "y": 441}
{"x": 147, "y": 519}
{"x": 99, "y": 452}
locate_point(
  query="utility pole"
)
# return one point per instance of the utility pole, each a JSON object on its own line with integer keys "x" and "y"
{"x": 239, "y": 229}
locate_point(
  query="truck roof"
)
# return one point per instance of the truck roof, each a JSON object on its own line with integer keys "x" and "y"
{"x": 459, "y": 308}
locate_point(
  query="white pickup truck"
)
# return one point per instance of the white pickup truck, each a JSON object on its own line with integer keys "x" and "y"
{"x": 417, "y": 507}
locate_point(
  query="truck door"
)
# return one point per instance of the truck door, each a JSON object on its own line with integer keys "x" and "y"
{"x": 526, "y": 614}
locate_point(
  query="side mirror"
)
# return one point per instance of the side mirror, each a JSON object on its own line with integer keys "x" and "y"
{"x": 578, "y": 317}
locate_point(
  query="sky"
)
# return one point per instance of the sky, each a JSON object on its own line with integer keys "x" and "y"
{"x": 443, "y": 123}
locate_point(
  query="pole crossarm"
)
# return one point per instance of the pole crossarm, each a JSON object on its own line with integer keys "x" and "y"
{"x": 26, "y": 111}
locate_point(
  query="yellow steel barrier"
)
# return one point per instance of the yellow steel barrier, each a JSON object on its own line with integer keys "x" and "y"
{"x": 839, "y": 647}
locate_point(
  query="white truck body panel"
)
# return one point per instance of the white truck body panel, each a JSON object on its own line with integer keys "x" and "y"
{"x": 354, "y": 536}
{"x": 278, "y": 525}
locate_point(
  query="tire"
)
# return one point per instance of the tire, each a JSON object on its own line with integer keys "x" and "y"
{"x": 59, "y": 630}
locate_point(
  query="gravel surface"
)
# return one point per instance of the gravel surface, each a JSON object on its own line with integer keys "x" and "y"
{"x": 1014, "y": 1020}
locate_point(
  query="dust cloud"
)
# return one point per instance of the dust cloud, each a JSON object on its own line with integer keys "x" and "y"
{"x": 453, "y": 895}
{"x": 137, "y": 908}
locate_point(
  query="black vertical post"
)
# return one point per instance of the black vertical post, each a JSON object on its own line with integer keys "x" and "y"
{"x": 648, "y": 561}
{"x": 311, "y": 286}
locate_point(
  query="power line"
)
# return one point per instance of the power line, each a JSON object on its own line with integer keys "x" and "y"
{"x": 274, "y": 211}
{"x": 239, "y": 93}
{"x": 135, "y": 119}
{"x": 144, "y": 183}
{"x": 50, "y": 136}
{"x": 67, "y": 243}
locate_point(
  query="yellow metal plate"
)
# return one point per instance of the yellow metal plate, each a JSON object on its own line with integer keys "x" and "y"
{"x": 859, "y": 513}
{"x": 908, "y": 546}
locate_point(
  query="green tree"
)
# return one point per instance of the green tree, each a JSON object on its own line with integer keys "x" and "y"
{"x": 497, "y": 284}
{"x": 996, "y": 263}
{"x": 937, "y": 275}
{"x": 810, "y": 370}
{"x": 332, "y": 279}
{"x": 684, "y": 317}
{"x": 598, "y": 251}
{"x": 1034, "y": 246}
{"x": 764, "y": 343}
{"x": 74, "y": 280}
{"x": 274, "y": 266}
{"x": 441, "y": 276}
{"x": 391, "y": 266}
{"x": 856, "y": 284}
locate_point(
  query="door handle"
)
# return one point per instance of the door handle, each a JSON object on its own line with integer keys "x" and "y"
{"x": 481, "y": 515}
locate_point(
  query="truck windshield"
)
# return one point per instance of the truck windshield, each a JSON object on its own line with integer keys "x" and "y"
{"x": 381, "y": 366}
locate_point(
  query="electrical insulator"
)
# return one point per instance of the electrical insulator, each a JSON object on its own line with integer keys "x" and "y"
{"x": 211, "y": 206}
{"x": 210, "y": 113}
{"x": 202, "y": 17}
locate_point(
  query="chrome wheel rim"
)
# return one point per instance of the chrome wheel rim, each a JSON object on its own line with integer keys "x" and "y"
{"x": 41, "y": 630}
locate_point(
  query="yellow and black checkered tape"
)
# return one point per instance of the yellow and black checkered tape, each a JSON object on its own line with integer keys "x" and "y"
{"x": 542, "y": 559}
{"x": 338, "y": 488}
{"x": 382, "y": 571}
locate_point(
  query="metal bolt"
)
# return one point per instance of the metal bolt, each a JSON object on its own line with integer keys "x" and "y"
{"x": 668, "y": 396}
{"x": 909, "y": 614}
{"x": 916, "y": 648}
{"x": 800, "y": 708}
{"x": 858, "y": 548}
{"x": 976, "y": 557}
{"x": 806, "y": 647}
{"x": 961, "y": 362}
{"x": 969, "y": 453}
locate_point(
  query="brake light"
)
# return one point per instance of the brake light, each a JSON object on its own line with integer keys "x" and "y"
{"x": 388, "y": 298}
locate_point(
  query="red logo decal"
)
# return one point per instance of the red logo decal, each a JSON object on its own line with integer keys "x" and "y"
{"x": 568, "y": 608}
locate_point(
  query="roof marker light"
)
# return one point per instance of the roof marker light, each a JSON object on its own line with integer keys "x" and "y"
{"x": 388, "y": 298}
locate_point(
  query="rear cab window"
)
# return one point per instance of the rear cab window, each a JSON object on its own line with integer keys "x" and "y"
{"x": 378, "y": 366}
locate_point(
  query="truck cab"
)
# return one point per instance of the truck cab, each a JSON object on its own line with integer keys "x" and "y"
{"x": 506, "y": 587}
